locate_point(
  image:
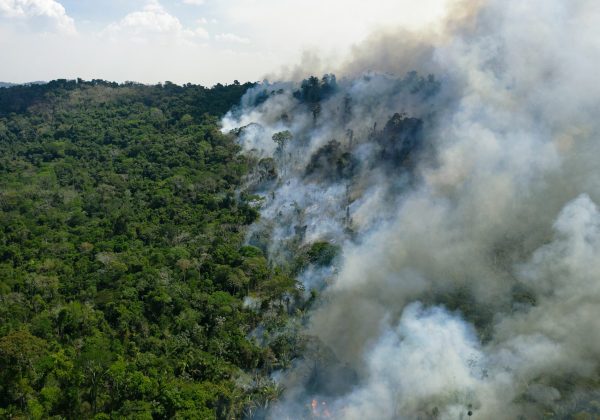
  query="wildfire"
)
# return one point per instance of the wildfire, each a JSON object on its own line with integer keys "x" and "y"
{"x": 319, "y": 410}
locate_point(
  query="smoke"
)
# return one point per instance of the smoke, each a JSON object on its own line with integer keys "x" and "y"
{"x": 464, "y": 206}
{"x": 431, "y": 341}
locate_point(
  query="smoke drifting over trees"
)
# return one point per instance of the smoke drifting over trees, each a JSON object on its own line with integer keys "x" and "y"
{"x": 464, "y": 208}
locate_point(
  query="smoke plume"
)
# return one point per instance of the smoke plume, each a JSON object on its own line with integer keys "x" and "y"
{"x": 463, "y": 204}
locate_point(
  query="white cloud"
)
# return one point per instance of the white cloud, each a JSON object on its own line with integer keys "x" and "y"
{"x": 233, "y": 38}
{"x": 47, "y": 9}
{"x": 154, "y": 24}
{"x": 153, "y": 42}
{"x": 194, "y": 2}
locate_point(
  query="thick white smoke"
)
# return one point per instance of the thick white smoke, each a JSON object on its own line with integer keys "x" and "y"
{"x": 430, "y": 341}
{"x": 468, "y": 280}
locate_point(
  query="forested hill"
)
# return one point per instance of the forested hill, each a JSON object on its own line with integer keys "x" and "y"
{"x": 122, "y": 266}
{"x": 172, "y": 99}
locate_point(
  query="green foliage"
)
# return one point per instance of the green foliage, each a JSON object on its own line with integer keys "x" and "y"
{"x": 122, "y": 266}
{"x": 282, "y": 137}
{"x": 313, "y": 90}
{"x": 319, "y": 254}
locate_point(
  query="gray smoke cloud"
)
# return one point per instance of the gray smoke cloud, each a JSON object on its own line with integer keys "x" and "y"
{"x": 468, "y": 282}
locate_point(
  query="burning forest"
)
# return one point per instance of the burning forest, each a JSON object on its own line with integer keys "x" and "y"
{"x": 437, "y": 202}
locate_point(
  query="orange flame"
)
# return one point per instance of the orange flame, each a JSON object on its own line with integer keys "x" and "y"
{"x": 320, "y": 410}
{"x": 314, "y": 405}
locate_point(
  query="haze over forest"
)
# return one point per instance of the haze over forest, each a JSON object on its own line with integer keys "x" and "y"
{"x": 283, "y": 210}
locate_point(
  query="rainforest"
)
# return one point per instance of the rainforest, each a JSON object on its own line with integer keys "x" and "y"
{"x": 123, "y": 262}
{"x": 399, "y": 223}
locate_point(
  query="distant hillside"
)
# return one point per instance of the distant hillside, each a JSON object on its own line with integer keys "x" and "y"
{"x": 9, "y": 84}
{"x": 191, "y": 99}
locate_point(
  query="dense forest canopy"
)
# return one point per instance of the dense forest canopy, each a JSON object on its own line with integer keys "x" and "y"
{"x": 123, "y": 270}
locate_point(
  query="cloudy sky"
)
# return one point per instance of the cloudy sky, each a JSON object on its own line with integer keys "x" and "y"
{"x": 199, "y": 41}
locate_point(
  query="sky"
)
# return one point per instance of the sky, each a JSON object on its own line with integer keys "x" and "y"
{"x": 196, "y": 41}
